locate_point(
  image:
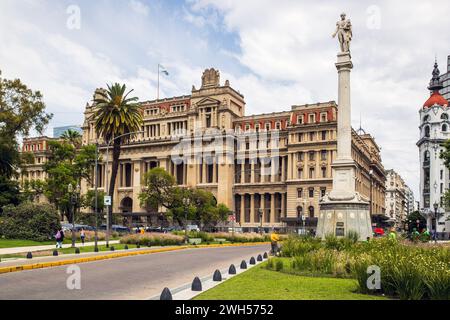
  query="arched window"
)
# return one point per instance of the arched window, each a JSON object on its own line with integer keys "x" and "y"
{"x": 444, "y": 116}
{"x": 426, "y": 155}
{"x": 444, "y": 128}
{"x": 427, "y": 131}
{"x": 311, "y": 212}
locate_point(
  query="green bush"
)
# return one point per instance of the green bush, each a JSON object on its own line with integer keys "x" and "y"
{"x": 29, "y": 221}
{"x": 279, "y": 265}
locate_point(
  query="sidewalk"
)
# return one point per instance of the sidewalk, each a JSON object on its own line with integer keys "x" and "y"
{"x": 49, "y": 247}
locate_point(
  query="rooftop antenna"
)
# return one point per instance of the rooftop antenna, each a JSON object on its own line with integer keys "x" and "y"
{"x": 360, "y": 131}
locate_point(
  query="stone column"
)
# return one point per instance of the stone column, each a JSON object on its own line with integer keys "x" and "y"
{"x": 273, "y": 167}
{"x": 283, "y": 169}
{"x": 252, "y": 208}
{"x": 242, "y": 219}
{"x": 243, "y": 172}
{"x": 283, "y": 206}
{"x": 272, "y": 208}
{"x": 252, "y": 172}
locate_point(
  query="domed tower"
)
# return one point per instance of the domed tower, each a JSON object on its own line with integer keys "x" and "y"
{"x": 434, "y": 176}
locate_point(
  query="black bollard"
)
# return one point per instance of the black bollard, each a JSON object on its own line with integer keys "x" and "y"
{"x": 126, "y": 247}
{"x": 166, "y": 295}
{"x": 217, "y": 276}
{"x": 265, "y": 256}
{"x": 112, "y": 248}
{"x": 138, "y": 246}
{"x": 55, "y": 253}
{"x": 196, "y": 284}
{"x": 77, "y": 250}
{"x": 260, "y": 258}
{"x": 96, "y": 249}
{"x": 232, "y": 269}
{"x": 29, "y": 255}
{"x": 243, "y": 264}
{"x": 252, "y": 260}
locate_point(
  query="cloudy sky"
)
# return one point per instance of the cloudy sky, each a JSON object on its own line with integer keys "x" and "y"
{"x": 277, "y": 53}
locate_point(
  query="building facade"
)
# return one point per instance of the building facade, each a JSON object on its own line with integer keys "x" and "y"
{"x": 410, "y": 201}
{"x": 445, "y": 81}
{"x": 434, "y": 176}
{"x": 270, "y": 169}
{"x": 396, "y": 198}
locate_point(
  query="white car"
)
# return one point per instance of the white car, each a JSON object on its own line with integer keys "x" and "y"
{"x": 192, "y": 227}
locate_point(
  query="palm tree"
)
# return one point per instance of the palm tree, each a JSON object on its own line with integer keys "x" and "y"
{"x": 73, "y": 137}
{"x": 115, "y": 114}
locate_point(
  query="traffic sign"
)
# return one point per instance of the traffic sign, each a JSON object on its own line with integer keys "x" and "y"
{"x": 107, "y": 200}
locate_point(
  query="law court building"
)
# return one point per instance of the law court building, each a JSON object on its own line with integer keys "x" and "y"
{"x": 270, "y": 169}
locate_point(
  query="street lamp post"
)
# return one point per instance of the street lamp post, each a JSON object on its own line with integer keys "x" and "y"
{"x": 107, "y": 182}
{"x": 73, "y": 200}
{"x": 186, "y": 203}
{"x": 96, "y": 198}
{"x": 260, "y": 212}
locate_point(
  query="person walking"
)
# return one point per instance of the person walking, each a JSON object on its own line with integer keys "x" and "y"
{"x": 59, "y": 238}
{"x": 274, "y": 238}
{"x": 82, "y": 236}
{"x": 392, "y": 234}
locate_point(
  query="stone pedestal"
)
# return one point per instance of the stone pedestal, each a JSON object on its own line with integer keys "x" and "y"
{"x": 342, "y": 210}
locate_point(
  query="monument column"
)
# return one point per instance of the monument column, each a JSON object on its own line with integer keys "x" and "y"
{"x": 343, "y": 209}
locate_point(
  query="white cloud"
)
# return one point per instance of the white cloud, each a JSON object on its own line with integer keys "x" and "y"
{"x": 139, "y": 7}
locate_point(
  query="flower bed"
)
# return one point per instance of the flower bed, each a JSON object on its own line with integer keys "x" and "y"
{"x": 407, "y": 271}
{"x": 153, "y": 239}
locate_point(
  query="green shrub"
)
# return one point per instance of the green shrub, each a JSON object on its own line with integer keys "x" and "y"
{"x": 29, "y": 221}
{"x": 279, "y": 265}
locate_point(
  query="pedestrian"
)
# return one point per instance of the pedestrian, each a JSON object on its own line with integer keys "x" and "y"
{"x": 143, "y": 231}
{"x": 82, "y": 236}
{"x": 392, "y": 234}
{"x": 274, "y": 238}
{"x": 62, "y": 238}
{"x": 58, "y": 239}
{"x": 137, "y": 230}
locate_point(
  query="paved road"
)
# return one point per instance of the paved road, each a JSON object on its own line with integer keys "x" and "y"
{"x": 136, "y": 277}
{"x": 49, "y": 247}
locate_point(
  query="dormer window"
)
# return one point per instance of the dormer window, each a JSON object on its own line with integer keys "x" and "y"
{"x": 312, "y": 118}
{"x": 300, "y": 119}
{"x": 444, "y": 116}
{"x": 278, "y": 125}
{"x": 323, "y": 117}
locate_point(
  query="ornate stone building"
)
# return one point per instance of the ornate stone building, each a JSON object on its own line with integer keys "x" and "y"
{"x": 434, "y": 175}
{"x": 270, "y": 169}
{"x": 396, "y": 198}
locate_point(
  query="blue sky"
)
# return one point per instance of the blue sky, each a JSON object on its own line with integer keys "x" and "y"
{"x": 277, "y": 53}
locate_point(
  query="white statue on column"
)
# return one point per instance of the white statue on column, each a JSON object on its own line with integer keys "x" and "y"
{"x": 344, "y": 33}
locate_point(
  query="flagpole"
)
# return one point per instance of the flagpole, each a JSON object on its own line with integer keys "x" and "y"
{"x": 157, "y": 95}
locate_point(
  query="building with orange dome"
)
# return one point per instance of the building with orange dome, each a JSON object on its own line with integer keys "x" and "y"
{"x": 434, "y": 176}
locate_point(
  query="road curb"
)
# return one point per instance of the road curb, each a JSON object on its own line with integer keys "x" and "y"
{"x": 116, "y": 255}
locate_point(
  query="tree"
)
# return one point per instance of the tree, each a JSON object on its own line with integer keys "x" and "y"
{"x": 73, "y": 137}
{"x": 88, "y": 201}
{"x": 66, "y": 165}
{"x": 412, "y": 219}
{"x": 115, "y": 115}
{"x": 29, "y": 221}
{"x": 21, "y": 110}
{"x": 9, "y": 192}
{"x": 160, "y": 190}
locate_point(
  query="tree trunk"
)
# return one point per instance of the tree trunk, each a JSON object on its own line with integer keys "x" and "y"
{"x": 112, "y": 184}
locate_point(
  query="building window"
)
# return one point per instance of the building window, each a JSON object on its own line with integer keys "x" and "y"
{"x": 299, "y": 193}
{"x": 311, "y": 212}
{"x": 427, "y": 131}
{"x": 312, "y": 156}
{"x": 324, "y": 172}
{"x": 257, "y": 127}
{"x": 324, "y": 135}
{"x": 267, "y": 126}
{"x": 300, "y": 156}
{"x": 278, "y": 126}
{"x": 311, "y": 136}
{"x": 442, "y": 174}
{"x": 323, "y": 117}
{"x": 300, "y": 119}
{"x": 247, "y": 127}
{"x": 311, "y": 173}
{"x": 312, "y": 118}
{"x": 300, "y": 173}
{"x": 311, "y": 192}
{"x": 444, "y": 116}
{"x": 444, "y": 128}
{"x": 323, "y": 155}
{"x": 426, "y": 118}
{"x": 323, "y": 191}
{"x": 300, "y": 137}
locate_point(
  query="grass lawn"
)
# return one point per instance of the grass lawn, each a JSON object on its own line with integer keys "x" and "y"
{"x": 261, "y": 284}
{"x": 11, "y": 243}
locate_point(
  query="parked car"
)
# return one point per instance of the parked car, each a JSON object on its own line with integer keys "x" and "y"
{"x": 192, "y": 227}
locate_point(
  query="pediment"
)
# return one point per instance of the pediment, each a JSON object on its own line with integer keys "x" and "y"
{"x": 207, "y": 102}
